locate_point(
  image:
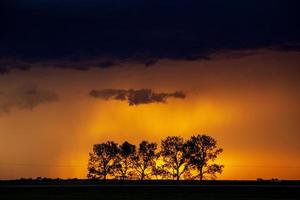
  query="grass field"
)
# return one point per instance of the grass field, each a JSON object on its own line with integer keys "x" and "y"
{"x": 67, "y": 190}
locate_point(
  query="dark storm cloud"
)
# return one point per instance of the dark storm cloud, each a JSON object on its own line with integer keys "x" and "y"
{"x": 288, "y": 47}
{"x": 7, "y": 65}
{"x": 26, "y": 97}
{"x": 136, "y": 97}
{"x": 67, "y": 63}
{"x": 141, "y": 31}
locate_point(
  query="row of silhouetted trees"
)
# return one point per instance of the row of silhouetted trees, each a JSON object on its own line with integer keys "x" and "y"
{"x": 177, "y": 159}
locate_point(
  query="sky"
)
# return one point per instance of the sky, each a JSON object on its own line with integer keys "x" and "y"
{"x": 76, "y": 73}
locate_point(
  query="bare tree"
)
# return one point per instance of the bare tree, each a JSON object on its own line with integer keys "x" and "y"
{"x": 175, "y": 157}
{"x": 202, "y": 151}
{"x": 102, "y": 161}
{"x": 126, "y": 154}
{"x": 144, "y": 159}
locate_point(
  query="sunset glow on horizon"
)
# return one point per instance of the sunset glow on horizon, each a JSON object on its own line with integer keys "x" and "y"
{"x": 249, "y": 104}
{"x": 150, "y": 90}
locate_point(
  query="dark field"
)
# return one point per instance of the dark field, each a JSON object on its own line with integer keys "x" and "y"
{"x": 65, "y": 190}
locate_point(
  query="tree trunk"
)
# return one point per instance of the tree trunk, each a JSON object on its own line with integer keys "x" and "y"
{"x": 177, "y": 174}
{"x": 201, "y": 173}
{"x": 142, "y": 176}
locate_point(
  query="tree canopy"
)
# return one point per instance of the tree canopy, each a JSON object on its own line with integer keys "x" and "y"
{"x": 192, "y": 159}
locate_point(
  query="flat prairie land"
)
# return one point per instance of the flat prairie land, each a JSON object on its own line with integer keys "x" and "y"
{"x": 63, "y": 190}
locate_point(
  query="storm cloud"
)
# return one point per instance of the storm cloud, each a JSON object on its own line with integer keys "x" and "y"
{"x": 136, "y": 97}
{"x": 68, "y": 34}
{"x": 26, "y": 97}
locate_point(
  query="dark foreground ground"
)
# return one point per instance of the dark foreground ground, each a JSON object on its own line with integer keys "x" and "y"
{"x": 65, "y": 190}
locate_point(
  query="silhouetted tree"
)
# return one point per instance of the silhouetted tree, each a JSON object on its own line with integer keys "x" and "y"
{"x": 160, "y": 173}
{"x": 103, "y": 160}
{"x": 126, "y": 154}
{"x": 202, "y": 151}
{"x": 175, "y": 157}
{"x": 213, "y": 169}
{"x": 144, "y": 159}
{"x": 158, "y": 170}
{"x": 193, "y": 159}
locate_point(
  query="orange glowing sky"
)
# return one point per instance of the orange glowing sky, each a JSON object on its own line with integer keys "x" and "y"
{"x": 250, "y": 104}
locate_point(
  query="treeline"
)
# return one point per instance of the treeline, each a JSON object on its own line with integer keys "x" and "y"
{"x": 177, "y": 159}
